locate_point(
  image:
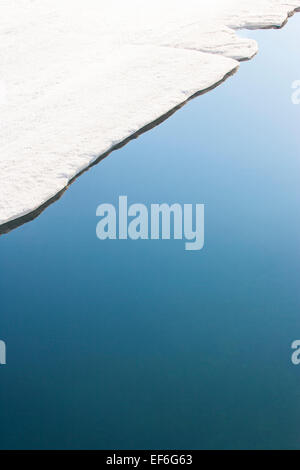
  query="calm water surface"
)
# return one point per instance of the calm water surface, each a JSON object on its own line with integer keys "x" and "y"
{"x": 140, "y": 344}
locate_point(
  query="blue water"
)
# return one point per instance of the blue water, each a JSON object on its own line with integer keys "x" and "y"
{"x": 141, "y": 344}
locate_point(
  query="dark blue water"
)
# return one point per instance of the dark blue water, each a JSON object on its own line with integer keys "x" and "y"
{"x": 141, "y": 344}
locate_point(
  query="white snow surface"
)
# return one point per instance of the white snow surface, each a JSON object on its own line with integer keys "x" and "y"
{"x": 78, "y": 77}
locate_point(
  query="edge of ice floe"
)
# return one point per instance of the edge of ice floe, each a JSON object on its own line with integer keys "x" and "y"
{"x": 15, "y": 222}
{"x": 27, "y": 216}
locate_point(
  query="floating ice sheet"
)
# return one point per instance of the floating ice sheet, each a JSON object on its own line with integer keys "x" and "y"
{"x": 78, "y": 77}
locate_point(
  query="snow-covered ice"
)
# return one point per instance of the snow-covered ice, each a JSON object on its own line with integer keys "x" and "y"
{"x": 78, "y": 77}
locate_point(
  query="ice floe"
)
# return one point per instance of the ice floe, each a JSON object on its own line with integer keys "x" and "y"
{"x": 77, "y": 77}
